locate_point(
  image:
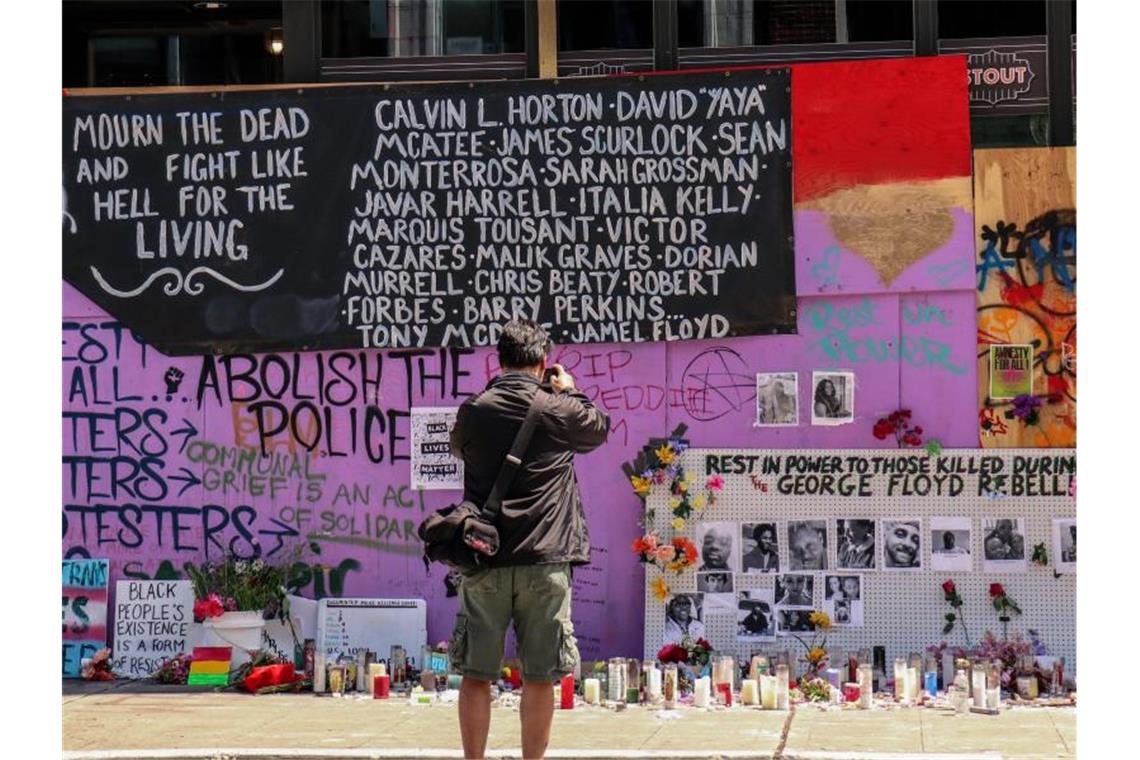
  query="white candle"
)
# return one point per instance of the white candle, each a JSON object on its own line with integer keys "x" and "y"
{"x": 701, "y": 692}
{"x": 993, "y": 698}
{"x": 915, "y": 676}
{"x": 374, "y": 669}
{"x": 768, "y": 692}
{"x": 900, "y": 679}
{"x": 749, "y": 692}
{"x": 383, "y": 669}
{"x": 909, "y": 678}
{"x": 781, "y": 687}
{"x": 654, "y": 684}
{"x": 866, "y": 681}
{"x": 592, "y": 691}
{"x": 319, "y": 673}
{"x": 979, "y": 689}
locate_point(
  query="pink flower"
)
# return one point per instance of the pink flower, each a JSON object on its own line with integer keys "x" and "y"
{"x": 664, "y": 553}
{"x": 715, "y": 483}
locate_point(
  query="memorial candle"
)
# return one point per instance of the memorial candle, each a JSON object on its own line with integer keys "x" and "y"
{"x": 654, "y": 684}
{"x": 758, "y": 667}
{"x": 781, "y": 687}
{"x": 866, "y": 685}
{"x": 851, "y": 691}
{"x": 592, "y": 691}
{"x": 567, "y": 685}
{"x": 979, "y": 687}
{"x": 374, "y": 669}
{"x": 832, "y": 675}
{"x": 319, "y": 673}
{"x": 669, "y": 686}
{"x": 768, "y": 692}
{"x": 701, "y": 692}
{"x": 749, "y": 692}
{"x": 381, "y": 685}
{"x": 723, "y": 681}
{"x": 615, "y": 669}
{"x": 900, "y": 679}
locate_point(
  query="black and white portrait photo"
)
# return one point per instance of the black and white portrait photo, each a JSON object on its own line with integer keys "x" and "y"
{"x": 833, "y": 398}
{"x": 902, "y": 543}
{"x": 719, "y": 544}
{"x": 755, "y": 615}
{"x": 842, "y": 587}
{"x": 1065, "y": 544}
{"x": 761, "y": 551}
{"x": 715, "y": 582}
{"x": 950, "y": 543}
{"x": 683, "y": 618}
{"x": 855, "y": 544}
{"x": 794, "y": 590}
{"x": 793, "y": 621}
{"x": 844, "y": 613}
{"x": 777, "y": 399}
{"x": 1003, "y": 545}
{"x": 807, "y": 545}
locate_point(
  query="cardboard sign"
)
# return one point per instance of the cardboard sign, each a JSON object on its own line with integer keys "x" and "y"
{"x": 152, "y": 624}
{"x": 433, "y": 466}
{"x": 1011, "y": 371}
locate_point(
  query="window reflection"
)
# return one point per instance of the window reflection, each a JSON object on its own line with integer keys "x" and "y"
{"x": 397, "y": 28}
{"x": 605, "y": 24}
{"x": 731, "y": 23}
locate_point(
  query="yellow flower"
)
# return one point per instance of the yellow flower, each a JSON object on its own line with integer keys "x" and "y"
{"x": 665, "y": 454}
{"x": 698, "y": 501}
{"x": 820, "y": 620}
{"x": 659, "y": 588}
{"x": 816, "y": 655}
{"x": 640, "y": 484}
{"x": 678, "y": 523}
{"x": 674, "y": 502}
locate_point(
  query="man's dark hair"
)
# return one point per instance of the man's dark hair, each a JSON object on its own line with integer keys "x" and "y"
{"x": 761, "y": 529}
{"x": 523, "y": 343}
{"x": 948, "y": 539}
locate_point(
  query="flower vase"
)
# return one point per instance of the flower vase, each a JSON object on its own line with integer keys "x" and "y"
{"x": 241, "y": 631}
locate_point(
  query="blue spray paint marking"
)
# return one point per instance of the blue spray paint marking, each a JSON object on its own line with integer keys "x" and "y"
{"x": 826, "y": 269}
{"x": 839, "y": 346}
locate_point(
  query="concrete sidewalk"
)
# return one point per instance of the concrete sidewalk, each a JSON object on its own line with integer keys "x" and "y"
{"x": 117, "y": 724}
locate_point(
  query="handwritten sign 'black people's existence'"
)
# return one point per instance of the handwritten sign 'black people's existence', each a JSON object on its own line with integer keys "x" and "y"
{"x": 618, "y": 209}
{"x": 152, "y": 624}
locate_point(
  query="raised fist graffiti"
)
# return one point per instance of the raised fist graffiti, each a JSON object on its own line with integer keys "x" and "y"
{"x": 173, "y": 378}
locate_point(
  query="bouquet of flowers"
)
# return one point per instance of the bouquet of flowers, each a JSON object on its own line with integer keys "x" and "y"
{"x": 688, "y": 652}
{"x": 235, "y": 584}
{"x": 814, "y": 689}
{"x": 1007, "y": 651}
{"x": 98, "y": 668}
{"x": 897, "y": 424}
{"x": 663, "y": 468}
{"x": 174, "y": 670}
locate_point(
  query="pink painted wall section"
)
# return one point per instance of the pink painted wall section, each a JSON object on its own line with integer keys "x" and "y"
{"x": 160, "y": 464}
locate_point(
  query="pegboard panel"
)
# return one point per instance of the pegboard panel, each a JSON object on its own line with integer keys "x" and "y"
{"x": 902, "y": 609}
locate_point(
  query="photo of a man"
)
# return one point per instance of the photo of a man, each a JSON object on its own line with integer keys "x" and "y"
{"x": 902, "y": 544}
{"x": 794, "y": 590}
{"x": 719, "y": 550}
{"x": 807, "y": 545}
{"x": 1003, "y": 545}
{"x": 1065, "y": 544}
{"x": 754, "y": 615}
{"x": 761, "y": 552}
{"x": 856, "y": 544}
{"x": 950, "y": 543}
{"x": 777, "y": 404}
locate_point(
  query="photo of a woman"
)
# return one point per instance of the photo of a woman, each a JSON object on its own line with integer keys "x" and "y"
{"x": 833, "y": 400}
{"x": 683, "y": 618}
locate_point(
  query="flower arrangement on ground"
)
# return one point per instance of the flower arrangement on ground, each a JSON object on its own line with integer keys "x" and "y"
{"x": 240, "y": 585}
{"x": 663, "y": 468}
{"x": 98, "y": 668}
{"x": 1007, "y": 651}
{"x": 692, "y": 657}
{"x": 814, "y": 689}
{"x": 175, "y": 670}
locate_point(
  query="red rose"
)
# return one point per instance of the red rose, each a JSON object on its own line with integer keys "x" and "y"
{"x": 996, "y": 590}
{"x": 672, "y": 653}
{"x": 883, "y": 429}
{"x": 948, "y": 588}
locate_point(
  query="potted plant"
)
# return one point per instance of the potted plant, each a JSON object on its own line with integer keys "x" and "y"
{"x": 234, "y": 597}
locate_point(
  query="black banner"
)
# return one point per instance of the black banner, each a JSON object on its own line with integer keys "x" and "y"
{"x": 611, "y": 210}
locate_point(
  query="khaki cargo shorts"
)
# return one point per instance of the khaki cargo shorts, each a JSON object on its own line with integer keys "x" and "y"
{"x": 537, "y": 599}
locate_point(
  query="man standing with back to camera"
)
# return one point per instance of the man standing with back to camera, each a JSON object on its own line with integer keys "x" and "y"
{"x": 542, "y": 535}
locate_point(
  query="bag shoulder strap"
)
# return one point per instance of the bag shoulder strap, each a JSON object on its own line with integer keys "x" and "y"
{"x": 514, "y": 458}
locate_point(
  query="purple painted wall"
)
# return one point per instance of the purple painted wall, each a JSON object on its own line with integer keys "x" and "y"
{"x": 154, "y": 474}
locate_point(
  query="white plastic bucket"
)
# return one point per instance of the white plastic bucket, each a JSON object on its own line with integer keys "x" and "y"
{"x": 239, "y": 630}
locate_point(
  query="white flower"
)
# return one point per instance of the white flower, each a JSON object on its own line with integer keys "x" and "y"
{"x": 241, "y": 566}
{"x": 258, "y": 565}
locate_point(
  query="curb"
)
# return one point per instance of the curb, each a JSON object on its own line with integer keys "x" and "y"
{"x": 269, "y": 753}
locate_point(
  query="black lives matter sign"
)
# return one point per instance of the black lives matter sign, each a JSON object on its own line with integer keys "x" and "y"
{"x": 609, "y": 210}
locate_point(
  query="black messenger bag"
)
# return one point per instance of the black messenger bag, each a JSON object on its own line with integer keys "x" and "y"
{"x": 463, "y": 536}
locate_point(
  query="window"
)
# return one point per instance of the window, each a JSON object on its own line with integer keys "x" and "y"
{"x": 1020, "y": 131}
{"x": 131, "y": 61}
{"x": 728, "y": 23}
{"x": 397, "y": 28}
{"x": 990, "y": 18}
{"x": 605, "y": 24}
